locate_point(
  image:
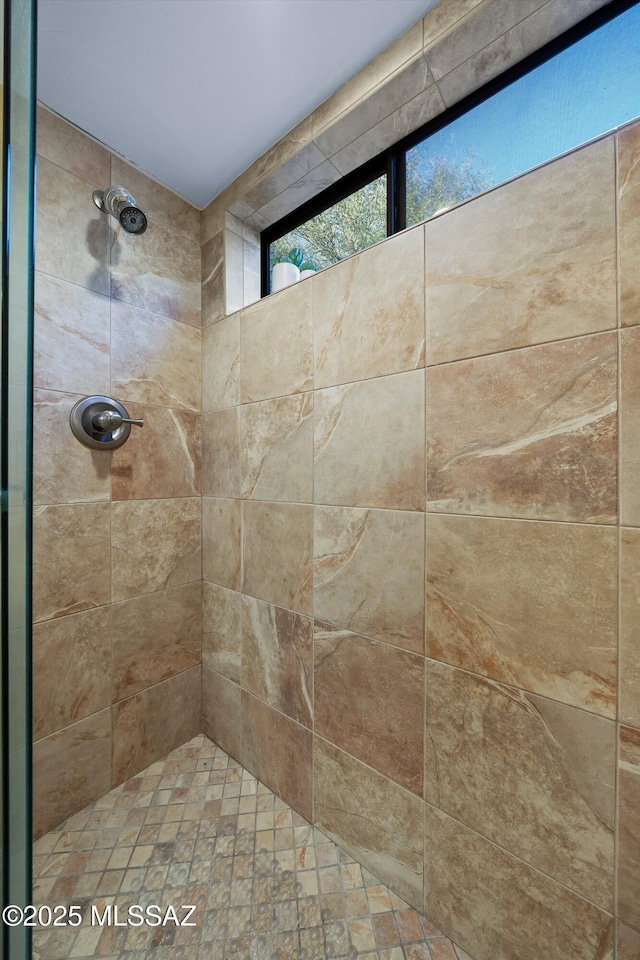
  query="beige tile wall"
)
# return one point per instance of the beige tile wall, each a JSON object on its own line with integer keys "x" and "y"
{"x": 327, "y": 640}
{"x": 117, "y": 536}
{"x": 320, "y": 623}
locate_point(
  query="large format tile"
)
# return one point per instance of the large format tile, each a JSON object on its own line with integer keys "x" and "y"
{"x": 514, "y": 600}
{"x": 222, "y": 542}
{"x": 72, "y": 234}
{"x": 369, "y": 313}
{"x": 277, "y": 345}
{"x": 233, "y": 270}
{"x": 628, "y": 943}
{"x": 155, "y": 637}
{"x": 306, "y": 158}
{"x": 277, "y": 658}
{"x": 374, "y": 74}
{"x": 154, "y": 360}
{"x": 369, "y": 700}
{"x": 628, "y": 223}
{"x": 462, "y": 39}
{"x": 221, "y": 453}
{"x": 71, "y": 566}
{"x": 375, "y": 820}
{"x": 630, "y": 627}
{"x": 496, "y": 906}
{"x": 221, "y": 630}
{"x": 276, "y": 157}
{"x": 65, "y": 145}
{"x": 532, "y": 261}
{"x": 278, "y": 752}
{"x": 157, "y": 272}
{"x": 369, "y": 443}
{"x": 399, "y": 124}
{"x": 154, "y": 544}
{"x": 221, "y": 711}
{"x": 71, "y": 669}
{"x": 308, "y": 186}
{"x": 393, "y": 92}
{"x": 212, "y": 266}
{"x": 160, "y": 204}
{"x": 629, "y": 827}
{"x": 534, "y": 776}
{"x": 221, "y": 364}
{"x": 277, "y": 546}
{"x": 539, "y": 23}
{"x": 71, "y": 768}
{"x": 161, "y": 459}
{"x": 277, "y": 449}
{"x": 369, "y": 573}
{"x": 65, "y": 471}
{"x": 71, "y": 337}
{"x": 144, "y": 730}
{"x": 630, "y": 427}
{"x": 441, "y": 19}
{"x": 527, "y": 433}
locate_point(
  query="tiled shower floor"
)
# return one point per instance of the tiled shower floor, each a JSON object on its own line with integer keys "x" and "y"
{"x": 196, "y": 828}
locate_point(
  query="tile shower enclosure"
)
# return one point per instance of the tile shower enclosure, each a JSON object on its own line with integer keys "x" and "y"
{"x": 380, "y": 564}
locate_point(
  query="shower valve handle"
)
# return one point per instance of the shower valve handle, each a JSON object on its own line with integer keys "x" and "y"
{"x": 101, "y": 423}
{"x": 110, "y": 420}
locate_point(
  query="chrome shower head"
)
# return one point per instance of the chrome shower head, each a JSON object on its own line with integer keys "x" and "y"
{"x": 120, "y": 204}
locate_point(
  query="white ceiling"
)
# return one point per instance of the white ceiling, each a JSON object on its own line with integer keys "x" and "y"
{"x": 193, "y": 91}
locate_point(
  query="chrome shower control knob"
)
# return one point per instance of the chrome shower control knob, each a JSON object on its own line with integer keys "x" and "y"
{"x": 110, "y": 420}
{"x": 101, "y": 423}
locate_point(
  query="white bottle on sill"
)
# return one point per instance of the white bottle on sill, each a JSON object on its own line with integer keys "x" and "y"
{"x": 283, "y": 275}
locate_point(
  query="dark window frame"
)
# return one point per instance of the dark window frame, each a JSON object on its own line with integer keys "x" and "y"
{"x": 392, "y": 161}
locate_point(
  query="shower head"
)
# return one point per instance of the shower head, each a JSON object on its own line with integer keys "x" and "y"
{"x": 120, "y": 204}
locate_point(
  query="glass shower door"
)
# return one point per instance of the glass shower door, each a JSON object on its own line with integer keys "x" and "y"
{"x": 18, "y": 51}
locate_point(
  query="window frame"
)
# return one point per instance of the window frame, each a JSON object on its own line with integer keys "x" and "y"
{"x": 392, "y": 160}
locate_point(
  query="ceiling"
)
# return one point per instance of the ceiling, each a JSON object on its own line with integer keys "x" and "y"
{"x": 193, "y": 91}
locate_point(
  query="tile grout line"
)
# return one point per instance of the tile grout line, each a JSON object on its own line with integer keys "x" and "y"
{"x": 586, "y": 523}
{"x": 515, "y": 856}
{"x": 412, "y": 653}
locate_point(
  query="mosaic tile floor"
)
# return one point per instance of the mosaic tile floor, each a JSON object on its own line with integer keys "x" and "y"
{"x": 196, "y": 828}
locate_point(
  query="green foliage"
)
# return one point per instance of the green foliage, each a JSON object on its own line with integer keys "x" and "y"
{"x": 434, "y": 183}
{"x": 344, "y": 229}
{"x": 360, "y": 220}
{"x": 308, "y": 265}
{"x": 295, "y": 255}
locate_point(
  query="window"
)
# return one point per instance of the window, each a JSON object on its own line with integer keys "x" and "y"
{"x": 579, "y": 87}
{"x": 581, "y": 93}
{"x": 344, "y": 228}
